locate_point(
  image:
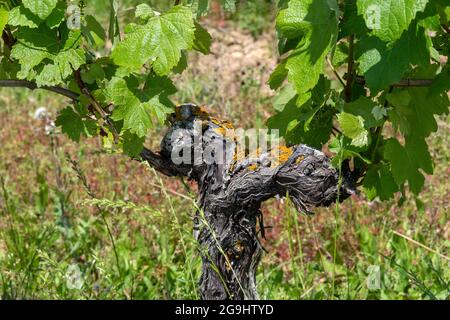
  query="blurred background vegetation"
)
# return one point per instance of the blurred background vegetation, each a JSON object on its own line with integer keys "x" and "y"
{"x": 66, "y": 206}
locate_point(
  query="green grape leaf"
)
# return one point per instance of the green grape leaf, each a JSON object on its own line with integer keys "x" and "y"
{"x": 414, "y": 109}
{"x": 132, "y": 144}
{"x": 364, "y": 107}
{"x": 64, "y": 63}
{"x": 140, "y": 110}
{"x": 398, "y": 157}
{"x": 4, "y": 17}
{"x": 309, "y": 124}
{"x": 202, "y": 8}
{"x": 28, "y": 55}
{"x": 144, "y": 11}
{"x": 383, "y": 65}
{"x": 49, "y": 75}
{"x": 340, "y": 56}
{"x": 352, "y": 22}
{"x": 38, "y": 45}
{"x": 388, "y": 19}
{"x": 413, "y": 113}
{"x": 441, "y": 84}
{"x": 278, "y": 76}
{"x": 286, "y": 94}
{"x": 93, "y": 74}
{"x": 41, "y": 8}
{"x": 353, "y": 127}
{"x": 398, "y": 114}
{"x": 419, "y": 155}
{"x": 379, "y": 182}
{"x": 74, "y": 125}
{"x": 403, "y": 165}
{"x": 182, "y": 64}
{"x": 343, "y": 149}
{"x": 314, "y": 23}
{"x": 8, "y": 70}
{"x": 21, "y": 16}
{"x": 202, "y": 41}
{"x": 95, "y": 29}
{"x": 57, "y": 16}
{"x": 315, "y": 127}
{"x": 158, "y": 42}
{"x": 287, "y": 44}
{"x": 286, "y": 115}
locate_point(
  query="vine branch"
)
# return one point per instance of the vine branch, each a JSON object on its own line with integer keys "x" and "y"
{"x": 85, "y": 90}
{"x": 7, "y": 38}
{"x": 338, "y": 76}
{"x": 32, "y": 86}
{"x": 349, "y": 85}
{"x": 379, "y": 129}
{"x": 403, "y": 83}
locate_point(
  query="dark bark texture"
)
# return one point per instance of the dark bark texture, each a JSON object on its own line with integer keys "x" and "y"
{"x": 229, "y": 223}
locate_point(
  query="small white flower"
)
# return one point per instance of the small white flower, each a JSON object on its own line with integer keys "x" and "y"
{"x": 40, "y": 113}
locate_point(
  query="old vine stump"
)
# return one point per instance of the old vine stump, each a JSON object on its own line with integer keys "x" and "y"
{"x": 229, "y": 221}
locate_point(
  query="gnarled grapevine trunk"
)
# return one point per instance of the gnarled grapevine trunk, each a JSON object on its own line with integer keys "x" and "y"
{"x": 228, "y": 223}
{"x": 230, "y": 255}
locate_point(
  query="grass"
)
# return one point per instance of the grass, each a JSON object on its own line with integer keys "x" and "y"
{"x": 127, "y": 231}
